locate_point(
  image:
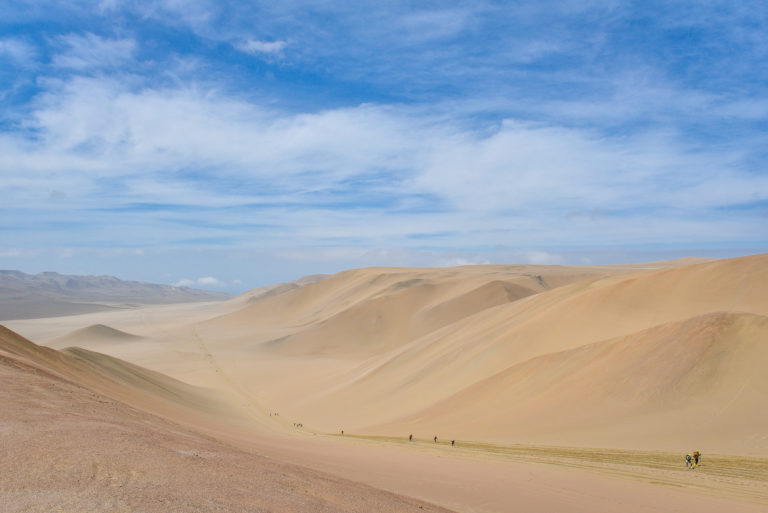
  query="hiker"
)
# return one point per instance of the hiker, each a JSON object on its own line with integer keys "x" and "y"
{"x": 453, "y": 443}
{"x": 410, "y": 437}
{"x": 435, "y": 438}
{"x": 696, "y": 458}
{"x": 689, "y": 460}
{"x": 342, "y": 432}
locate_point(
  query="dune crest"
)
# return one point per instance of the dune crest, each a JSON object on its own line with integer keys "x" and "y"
{"x": 137, "y": 386}
{"x": 96, "y": 333}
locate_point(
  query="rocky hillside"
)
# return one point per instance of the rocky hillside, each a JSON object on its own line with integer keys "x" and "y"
{"x": 25, "y": 296}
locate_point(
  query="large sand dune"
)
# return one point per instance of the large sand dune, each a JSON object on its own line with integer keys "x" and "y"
{"x": 699, "y": 381}
{"x": 392, "y": 351}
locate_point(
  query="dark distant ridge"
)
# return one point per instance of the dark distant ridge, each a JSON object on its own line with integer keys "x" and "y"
{"x": 47, "y": 294}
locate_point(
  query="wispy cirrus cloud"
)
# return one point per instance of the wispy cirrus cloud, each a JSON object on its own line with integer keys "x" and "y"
{"x": 87, "y": 51}
{"x": 210, "y": 169}
{"x": 17, "y": 50}
{"x": 261, "y": 48}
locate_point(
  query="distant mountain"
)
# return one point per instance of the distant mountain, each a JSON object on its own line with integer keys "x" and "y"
{"x": 48, "y": 294}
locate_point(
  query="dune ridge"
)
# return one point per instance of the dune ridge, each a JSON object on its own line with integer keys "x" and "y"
{"x": 96, "y": 333}
{"x": 123, "y": 381}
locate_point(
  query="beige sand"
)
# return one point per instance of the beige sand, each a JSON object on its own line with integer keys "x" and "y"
{"x": 66, "y": 448}
{"x": 513, "y": 361}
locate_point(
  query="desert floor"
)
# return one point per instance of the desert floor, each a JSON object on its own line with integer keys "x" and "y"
{"x": 438, "y": 353}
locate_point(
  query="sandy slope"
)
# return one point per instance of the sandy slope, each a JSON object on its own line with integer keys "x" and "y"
{"x": 137, "y": 386}
{"x": 66, "y": 448}
{"x": 701, "y": 381}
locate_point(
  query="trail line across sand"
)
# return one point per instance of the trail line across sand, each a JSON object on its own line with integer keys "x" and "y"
{"x": 738, "y": 477}
{"x": 252, "y": 407}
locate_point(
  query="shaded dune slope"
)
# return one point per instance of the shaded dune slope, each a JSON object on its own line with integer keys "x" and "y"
{"x": 139, "y": 387}
{"x": 698, "y": 381}
{"x": 94, "y": 334}
{"x": 386, "y": 296}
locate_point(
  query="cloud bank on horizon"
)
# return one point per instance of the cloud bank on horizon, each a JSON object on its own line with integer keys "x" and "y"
{"x": 374, "y": 133}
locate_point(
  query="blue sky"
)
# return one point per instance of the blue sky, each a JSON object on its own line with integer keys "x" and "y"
{"x": 235, "y": 144}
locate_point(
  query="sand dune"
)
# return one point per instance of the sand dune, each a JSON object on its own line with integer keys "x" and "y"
{"x": 139, "y": 387}
{"x": 96, "y": 333}
{"x": 699, "y": 381}
{"x": 662, "y": 356}
{"x": 374, "y": 346}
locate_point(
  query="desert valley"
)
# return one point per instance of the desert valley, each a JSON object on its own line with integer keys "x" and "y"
{"x": 525, "y": 388}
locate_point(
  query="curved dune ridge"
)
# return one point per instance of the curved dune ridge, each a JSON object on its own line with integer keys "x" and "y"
{"x": 515, "y": 353}
{"x": 96, "y": 333}
{"x": 137, "y": 386}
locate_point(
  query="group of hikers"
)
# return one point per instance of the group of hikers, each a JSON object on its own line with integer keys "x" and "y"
{"x": 453, "y": 442}
{"x": 692, "y": 459}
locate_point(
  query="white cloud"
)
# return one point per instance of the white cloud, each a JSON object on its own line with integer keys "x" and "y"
{"x": 206, "y": 281}
{"x": 407, "y": 173}
{"x": 541, "y": 258}
{"x": 86, "y": 51}
{"x": 438, "y": 24}
{"x": 209, "y": 280}
{"x": 256, "y": 47}
{"x": 459, "y": 261}
{"x": 17, "y": 50}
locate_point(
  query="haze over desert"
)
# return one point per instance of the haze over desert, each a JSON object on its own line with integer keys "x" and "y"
{"x": 481, "y": 257}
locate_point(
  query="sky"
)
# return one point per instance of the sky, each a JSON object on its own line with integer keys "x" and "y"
{"x": 228, "y": 145}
